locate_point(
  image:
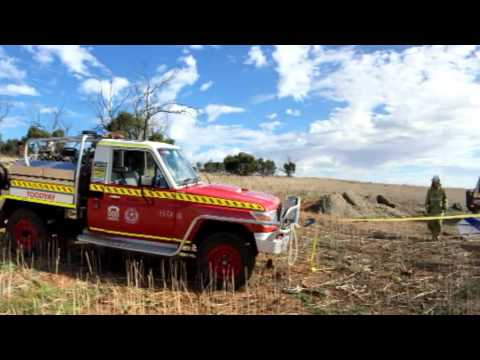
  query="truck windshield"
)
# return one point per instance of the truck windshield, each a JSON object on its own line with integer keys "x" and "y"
{"x": 180, "y": 168}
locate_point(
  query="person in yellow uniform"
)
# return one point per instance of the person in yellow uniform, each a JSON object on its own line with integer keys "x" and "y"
{"x": 436, "y": 205}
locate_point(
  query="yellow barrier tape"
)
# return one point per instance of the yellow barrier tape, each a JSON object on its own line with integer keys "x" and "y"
{"x": 414, "y": 218}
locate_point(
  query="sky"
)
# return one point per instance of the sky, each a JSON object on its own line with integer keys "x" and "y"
{"x": 392, "y": 114}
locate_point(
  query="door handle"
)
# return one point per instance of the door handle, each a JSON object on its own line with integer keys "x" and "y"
{"x": 114, "y": 196}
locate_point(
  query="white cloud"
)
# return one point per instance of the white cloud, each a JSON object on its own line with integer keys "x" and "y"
{"x": 18, "y": 104}
{"x": 270, "y": 126}
{"x": 17, "y": 90}
{"x": 292, "y": 112}
{"x": 401, "y": 117}
{"x": 213, "y": 111}
{"x": 206, "y": 86}
{"x": 262, "y": 98}
{"x": 410, "y": 109}
{"x": 8, "y": 68}
{"x": 48, "y": 110}
{"x": 214, "y": 141}
{"x": 107, "y": 86}
{"x": 179, "y": 78}
{"x": 299, "y": 65}
{"x": 256, "y": 57}
{"x": 196, "y": 47}
{"x": 12, "y": 122}
{"x": 161, "y": 68}
{"x": 272, "y": 116}
{"x": 76, "y": 58}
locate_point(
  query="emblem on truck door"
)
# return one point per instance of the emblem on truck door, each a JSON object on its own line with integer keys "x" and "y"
{"x": 131, "y": 216}
{"x": 113, "y": 213}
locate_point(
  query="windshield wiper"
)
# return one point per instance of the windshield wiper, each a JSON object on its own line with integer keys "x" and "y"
{"x": 190, "y": 181}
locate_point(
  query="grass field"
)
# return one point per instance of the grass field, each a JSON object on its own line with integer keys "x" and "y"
{"x": 360, "y": 269}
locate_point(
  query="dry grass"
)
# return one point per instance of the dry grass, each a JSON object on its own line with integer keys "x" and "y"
{"x": 312, "y": 188}
{"x": 361, "y": 269}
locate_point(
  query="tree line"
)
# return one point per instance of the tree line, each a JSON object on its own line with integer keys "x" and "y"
{"x": 244, "y": 164}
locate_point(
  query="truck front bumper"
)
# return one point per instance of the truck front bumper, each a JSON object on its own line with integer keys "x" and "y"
{"x": 272, "y": 242}
{"x": 277, "y": 242}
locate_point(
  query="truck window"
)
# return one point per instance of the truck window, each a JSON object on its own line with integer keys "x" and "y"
{"x": 152, "y": 170}
{"x": 129, "y": 165}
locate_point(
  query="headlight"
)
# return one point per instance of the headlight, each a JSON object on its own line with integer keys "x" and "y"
{"x": 269, "y": 216}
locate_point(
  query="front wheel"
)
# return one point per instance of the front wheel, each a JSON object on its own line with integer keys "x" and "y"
{"x": 225, "y": 259}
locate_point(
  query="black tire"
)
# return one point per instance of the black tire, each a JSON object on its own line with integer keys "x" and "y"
{"x": 232, "y": 249}
{"x": 27, "y": 232}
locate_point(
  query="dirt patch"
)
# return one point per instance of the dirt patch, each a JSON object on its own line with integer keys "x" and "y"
{"x": 432, "y": 266}
{"x": 334, "y": 205}
{"x": 352, "y": 205}
{"x": 471, "y": 248}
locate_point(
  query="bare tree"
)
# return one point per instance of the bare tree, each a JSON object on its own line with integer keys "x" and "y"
{"x": 142, "y": 100}
{"x": 58, "y": 121}
{"x": 145, "y": 102}
{"x": 5, "y": 108}
{"x": 57, "y": 114}
{"x": 55, "y": 122}
{"x": 108, "y": 104}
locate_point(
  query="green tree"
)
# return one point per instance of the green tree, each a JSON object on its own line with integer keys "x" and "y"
{"x": 266, "y": 167}
{"x": 269, "y": 168}
{"x": 35, "y": 132}
{"x": 213, "y": 167}
{"x": 9, "y": 147}
{"x": 58, "y": 133}
{"x": 240, "y": 164}
{"x": 126, "y": 124}
{"x": 158, "y": 136}
{"x": 132, "y": 128}
{"x": 289, "y": 168}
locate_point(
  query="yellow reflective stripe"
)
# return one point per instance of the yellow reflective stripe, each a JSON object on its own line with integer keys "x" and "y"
{"x": 121, "y": 233}
{"x": 42, "y": 186}
{"x": 207, "y": 200}
{"x": 123, "y": 144}
{"x": 37, "y": 201}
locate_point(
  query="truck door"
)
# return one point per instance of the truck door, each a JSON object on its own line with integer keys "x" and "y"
{"x": 128, "y": 208}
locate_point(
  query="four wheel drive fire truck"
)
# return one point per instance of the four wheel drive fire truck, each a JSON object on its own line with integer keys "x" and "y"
{"x": 140, "y": 196}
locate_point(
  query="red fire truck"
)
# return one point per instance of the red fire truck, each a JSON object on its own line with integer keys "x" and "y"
{"x": 140, "y": 196}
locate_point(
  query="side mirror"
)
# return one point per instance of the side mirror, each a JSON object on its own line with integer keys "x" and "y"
{"x": 145, "y": 180}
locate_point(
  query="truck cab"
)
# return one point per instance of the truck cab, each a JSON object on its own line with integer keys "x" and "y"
{"x": 146, "y": 197}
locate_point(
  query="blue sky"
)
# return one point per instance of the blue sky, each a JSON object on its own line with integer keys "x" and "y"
{"x": 376, "y": 113}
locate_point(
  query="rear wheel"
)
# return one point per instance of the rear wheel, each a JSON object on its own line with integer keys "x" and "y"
{"x": 27, "y": 231}
{"x": 224, "y": 258}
